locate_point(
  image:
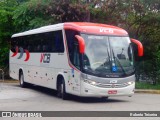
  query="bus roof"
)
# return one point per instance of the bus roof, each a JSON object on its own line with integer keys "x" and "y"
{"x": 85, "y": 27}
{"x": 43, "y": 29}
{"x": 95, "y": 28}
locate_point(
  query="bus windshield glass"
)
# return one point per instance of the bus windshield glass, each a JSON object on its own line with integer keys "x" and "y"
{"x": 107, "y": 56}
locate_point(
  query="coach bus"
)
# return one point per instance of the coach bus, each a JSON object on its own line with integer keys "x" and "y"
{"x": 78, "y": 58}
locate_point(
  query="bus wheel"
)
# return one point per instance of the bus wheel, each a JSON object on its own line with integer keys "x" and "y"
{"x": 21, "y": 80}
{"x": 62, "y": 90}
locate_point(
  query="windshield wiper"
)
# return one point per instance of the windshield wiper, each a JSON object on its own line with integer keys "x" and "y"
{"x": 115, "y": 58}
{"x": 109, "y": 58}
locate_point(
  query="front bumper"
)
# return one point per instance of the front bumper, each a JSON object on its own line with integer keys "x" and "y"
{"x": 88, "y": 90}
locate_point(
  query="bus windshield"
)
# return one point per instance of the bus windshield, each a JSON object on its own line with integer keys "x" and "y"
{"x": 107, "y": 56}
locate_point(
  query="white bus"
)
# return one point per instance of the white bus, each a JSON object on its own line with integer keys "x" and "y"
{"x": 79, "y": 58}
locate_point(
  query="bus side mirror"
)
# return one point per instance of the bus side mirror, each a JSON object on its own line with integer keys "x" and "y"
{"x": 81, "y": 44}
{"x": 139, "y": 46}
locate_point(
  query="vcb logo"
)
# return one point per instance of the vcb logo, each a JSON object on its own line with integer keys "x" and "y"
{"x": 45, "y": 58}
{"x": 106, "y": 30}
{"x": 21, "y": 53}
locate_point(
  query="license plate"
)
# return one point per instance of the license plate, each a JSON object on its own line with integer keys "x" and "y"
{"x": 112, "y": 92}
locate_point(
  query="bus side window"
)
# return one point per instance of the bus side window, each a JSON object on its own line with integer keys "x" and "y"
{"x": 13, "y": 44}
{"x": 30, "y": 41}
{"x": 49, "y": 40}
{"x": 39, "y": 48}
{"x": 24, "y": 43}
{"x": 59, "y": 42}
{"x": 45, "y": 48}
{"x": 29, "y": 48}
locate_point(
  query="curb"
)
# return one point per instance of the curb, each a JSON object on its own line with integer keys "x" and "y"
{"x": 147, "y": 91}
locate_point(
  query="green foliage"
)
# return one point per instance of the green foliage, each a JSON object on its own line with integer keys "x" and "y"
{"x": 6, "y": 28}
{"x": 36, "y": 13}
{"x": 142, "y": 85}
{"x": 32, "y": 14}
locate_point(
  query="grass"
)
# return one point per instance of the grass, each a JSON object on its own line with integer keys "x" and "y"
{"x": 142, "y": 85}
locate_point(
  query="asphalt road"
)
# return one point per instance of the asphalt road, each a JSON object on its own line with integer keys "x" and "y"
{"x": 34, "y": 98}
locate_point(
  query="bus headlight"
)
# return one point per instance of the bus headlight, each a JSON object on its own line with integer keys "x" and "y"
{"x": 87, "y": 79}
{"x": 90, "y": 82}
{"x": 130, "y": 82}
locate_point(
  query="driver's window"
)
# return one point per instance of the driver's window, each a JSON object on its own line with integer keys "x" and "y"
{"x": 76, "y": 61}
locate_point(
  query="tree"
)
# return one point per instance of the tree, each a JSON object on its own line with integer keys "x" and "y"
{"x": 36, "y": 13}
{"x": 6, "y": 28}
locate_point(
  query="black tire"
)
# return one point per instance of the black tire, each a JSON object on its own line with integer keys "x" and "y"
{"x": 61, "y": 90}
{"x": 21, "y": 80}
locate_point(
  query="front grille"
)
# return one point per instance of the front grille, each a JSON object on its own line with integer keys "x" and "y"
{"x": 112, "y": 85}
